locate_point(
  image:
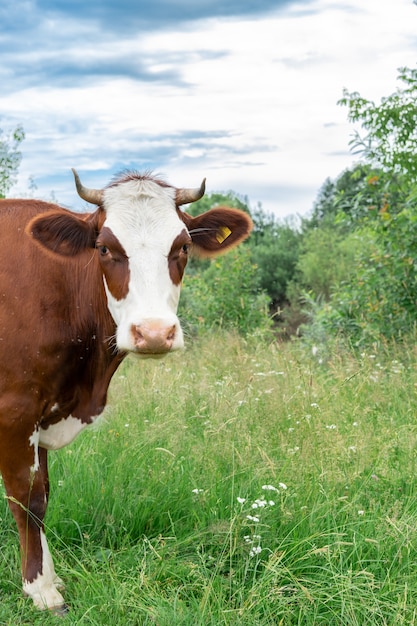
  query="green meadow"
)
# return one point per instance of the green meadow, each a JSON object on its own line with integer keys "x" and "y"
{"x": 237, "y": 483}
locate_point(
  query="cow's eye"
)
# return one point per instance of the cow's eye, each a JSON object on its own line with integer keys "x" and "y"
{"x": 103, "y": 250}
{"x": 185, "y": 248}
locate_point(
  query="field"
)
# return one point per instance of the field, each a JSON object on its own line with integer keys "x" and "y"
{"x": 237, "y": 483}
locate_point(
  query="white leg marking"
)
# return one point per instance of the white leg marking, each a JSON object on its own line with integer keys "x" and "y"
{"x": 43, "y": 589}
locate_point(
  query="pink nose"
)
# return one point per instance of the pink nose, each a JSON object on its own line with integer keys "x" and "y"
{"x": 153, "y": 337}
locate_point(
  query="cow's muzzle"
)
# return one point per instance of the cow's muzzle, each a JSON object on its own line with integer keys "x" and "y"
{"x": 154, "y": 337}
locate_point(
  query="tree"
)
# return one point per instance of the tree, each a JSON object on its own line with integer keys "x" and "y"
{"x": 10, "y": 158}
{"x": 390, "y": 141}
{"x": 275, "y": 249}
{"x": 379, "y": 301}
{"x": 357, "y": 193}
{"x": 326, "y": 260}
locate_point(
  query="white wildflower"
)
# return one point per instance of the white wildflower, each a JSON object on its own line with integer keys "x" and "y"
{"x": 293, "y": 450}
{"x": 269, "y": 488}
{"x": 259, "y": 503}
{"x": 252, "y": 518}
{"x": 255, "y": 550}
{"x": 241, "y": 500}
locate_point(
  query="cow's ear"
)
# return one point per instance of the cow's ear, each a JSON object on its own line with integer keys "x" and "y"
{"x": 217, "y": 230}
{"x": 66, "y": 234}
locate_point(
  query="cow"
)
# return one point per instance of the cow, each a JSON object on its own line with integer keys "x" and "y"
{"x": 78, "y": 292}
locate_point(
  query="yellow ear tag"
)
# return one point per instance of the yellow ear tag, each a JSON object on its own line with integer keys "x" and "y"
{"x": 223, "y": 233}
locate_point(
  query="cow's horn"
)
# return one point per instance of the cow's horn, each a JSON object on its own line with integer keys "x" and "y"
{"x": 94, "y": 196}
{"x": 185, "y": 196}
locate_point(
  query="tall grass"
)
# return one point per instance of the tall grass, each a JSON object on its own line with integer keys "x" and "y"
{"x": 237, "y": 483}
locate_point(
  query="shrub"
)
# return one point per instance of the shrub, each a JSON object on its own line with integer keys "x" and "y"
{"x": 226, "y": 294}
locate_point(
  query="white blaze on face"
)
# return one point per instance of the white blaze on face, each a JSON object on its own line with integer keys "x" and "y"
{"x": 142, "y": 216}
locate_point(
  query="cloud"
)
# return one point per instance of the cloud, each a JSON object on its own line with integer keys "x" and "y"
{"x": 69, "y": 44}
{"x": 133, "y": 15}
{"x": 56, "y": 41}
{"x": 87, "y": 68}
{"x": 242, "y": 92}
{"x": 125, "y": 17}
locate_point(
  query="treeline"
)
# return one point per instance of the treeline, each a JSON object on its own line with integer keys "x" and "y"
{"x": 347, "y": 270}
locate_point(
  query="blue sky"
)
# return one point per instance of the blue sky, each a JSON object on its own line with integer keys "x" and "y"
{"x": 241, "y": 92}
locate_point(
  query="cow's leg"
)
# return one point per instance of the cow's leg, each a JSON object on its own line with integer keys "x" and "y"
{"x": 25, "y": 476}
{"x": 43, "y": 462}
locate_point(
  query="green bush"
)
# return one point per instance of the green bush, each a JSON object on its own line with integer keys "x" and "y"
{"x": 379, "y": 302}
{"x": 226, "y": 294}
{"x": 327, "y": 259}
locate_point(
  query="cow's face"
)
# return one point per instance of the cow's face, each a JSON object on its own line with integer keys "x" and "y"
{"x": 141, "y": 239}
{"x": 142, "y": 249}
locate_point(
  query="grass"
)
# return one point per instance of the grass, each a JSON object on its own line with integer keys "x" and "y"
{"x": 148, "y": 520}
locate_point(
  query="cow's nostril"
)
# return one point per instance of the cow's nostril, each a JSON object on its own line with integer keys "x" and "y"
{"x": 171, "y": 333}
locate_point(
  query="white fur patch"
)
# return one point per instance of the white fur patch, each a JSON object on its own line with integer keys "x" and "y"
{"x": 60, "y": 434}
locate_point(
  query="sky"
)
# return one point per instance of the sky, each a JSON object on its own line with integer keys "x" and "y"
{"x": 242, "y": 92}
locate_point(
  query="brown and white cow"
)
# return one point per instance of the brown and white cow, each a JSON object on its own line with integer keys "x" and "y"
{"x": 77, "y": 292}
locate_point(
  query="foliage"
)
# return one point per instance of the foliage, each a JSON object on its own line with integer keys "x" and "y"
{"x": 326, "y": 260}
{"x": 226, "y": 294}
{"x": 152, "y": 516}
{"x": 379, "y": 301}
{"x": 275, "y": 249}
{"x": 357, "y": 193}
{"x": 10, "y": 158}
{"x": 391, "y": 126}
{"x": 237, "y": 292}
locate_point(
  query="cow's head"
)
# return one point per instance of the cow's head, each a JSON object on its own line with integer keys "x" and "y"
{"x": 142, "y": 240}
